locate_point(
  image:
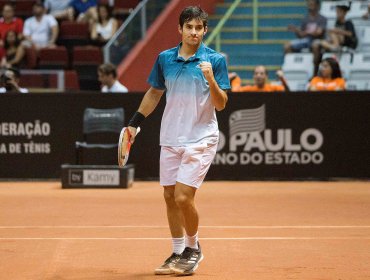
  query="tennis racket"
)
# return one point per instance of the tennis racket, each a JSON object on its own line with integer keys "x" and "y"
{"x": 124, "y": 145}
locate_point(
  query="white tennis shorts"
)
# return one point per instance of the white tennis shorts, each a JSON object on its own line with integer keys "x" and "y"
{"x": 187, "y": 164}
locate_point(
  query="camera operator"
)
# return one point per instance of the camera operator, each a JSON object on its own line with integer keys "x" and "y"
{"x": 9, "y": 81}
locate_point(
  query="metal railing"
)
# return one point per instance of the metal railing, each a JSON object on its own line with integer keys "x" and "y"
{"x": 216, "y": 33}
{"x": 132, "y": 30}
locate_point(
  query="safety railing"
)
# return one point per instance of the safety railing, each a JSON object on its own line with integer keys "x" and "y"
{"x": 215, "y": 36}
{"x": 132, "y": 30}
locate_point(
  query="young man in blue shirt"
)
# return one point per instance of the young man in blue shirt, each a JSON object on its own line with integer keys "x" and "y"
{"x": 195, "y": 79}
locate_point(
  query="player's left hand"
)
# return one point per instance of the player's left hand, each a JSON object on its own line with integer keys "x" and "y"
{"x": 206, "y": 68}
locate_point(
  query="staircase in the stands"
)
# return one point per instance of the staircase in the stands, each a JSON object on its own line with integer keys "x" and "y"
{"x": 237, "y": 35}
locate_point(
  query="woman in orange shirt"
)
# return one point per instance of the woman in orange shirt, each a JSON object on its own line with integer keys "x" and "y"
{"x": 329, "y": 78}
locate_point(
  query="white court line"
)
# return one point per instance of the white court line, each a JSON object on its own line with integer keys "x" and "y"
{"x": 206, "y": 238}
{"x": 213, "y": 227}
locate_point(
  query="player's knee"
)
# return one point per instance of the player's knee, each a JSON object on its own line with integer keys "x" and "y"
{"x": 169, "y": 195}
{"x": 182, "y": 201}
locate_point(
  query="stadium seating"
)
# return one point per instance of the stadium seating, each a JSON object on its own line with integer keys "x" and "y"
{"x": 358, "y": 85}
{"x": 73, "y": 34}
{"x": 359, "y": 70}
{"x": 328, "y": 9}
{"x": 298, "y": 66}
{"x": 71, "y": 80}
{"x": 53, "y": 58}
{"x": 86, "y": 60}
{"x": 363, "y": 34}
{"x": 358, "y": 8}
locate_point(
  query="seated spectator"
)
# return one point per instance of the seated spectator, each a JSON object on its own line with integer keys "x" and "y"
{"x": 10, "y": 81}
{"x": 14, "y": 51}
{"x": 41, "y": 30}
{"x": 107, "y": 75}
{"x": 105, "y": 27}
{"x": 260, "y": 78}
{"x": 9, "y": 22}
{"x": 312, "y": 27}
{"x": 59, "y": 9}
{"x": 85, "y": 10}
{"x": 342, "y": 35}
{"x": 330, "y": 77}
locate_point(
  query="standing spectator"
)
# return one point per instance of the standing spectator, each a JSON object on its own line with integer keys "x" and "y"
{"x": 260, "y": 78}
{"x": 312, "y": 27}
{"x": 59, "y": 9}
{"x": 9, "y": 22}
{"x": 107, "y": 75}
{"x": 105, "y": 27}
{"x": 10, "y": 81}
{"x": 14, "y": 51}
{"x": 329, "y": 78}
{"x": 41, "y": 30}
{"x": 85, "y": 10}
{"x": 342, "y": 35}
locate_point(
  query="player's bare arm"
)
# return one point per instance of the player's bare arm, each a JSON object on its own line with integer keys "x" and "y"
{"x": 147, "y": 106}
{"x": 218, "y": 96}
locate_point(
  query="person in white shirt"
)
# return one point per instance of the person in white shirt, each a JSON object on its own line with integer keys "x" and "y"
{"x": 41, "y": 30}
{"x": 10, "y": 81}
{"x": 107, "y": 76}
{"x": 105, "y": 27}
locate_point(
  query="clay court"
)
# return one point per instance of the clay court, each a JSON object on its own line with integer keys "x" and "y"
{"x": 249, "y": 230}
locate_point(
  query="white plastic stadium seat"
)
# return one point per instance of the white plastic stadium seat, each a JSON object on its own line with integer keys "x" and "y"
{"x": 328, "y": 9}
{"x": 360, "y": 22}
{"x": 360, "y": 68}
{"x": 297, "y": 85}
{"x": 357, "y": 85}
{"x": 363, "y": 34}
{"x": 358, "y": 9}
{"x": 298, "y": 66}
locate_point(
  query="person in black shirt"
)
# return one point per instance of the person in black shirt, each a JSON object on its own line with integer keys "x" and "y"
{"x": 342, "y": 35}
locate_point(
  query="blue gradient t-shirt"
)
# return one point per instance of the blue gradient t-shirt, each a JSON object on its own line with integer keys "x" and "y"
{"x": 189, "y": 116}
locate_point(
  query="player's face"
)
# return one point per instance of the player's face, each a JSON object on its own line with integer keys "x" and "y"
{"x": 260, "y": 76}
{"x": 192, "y": 32}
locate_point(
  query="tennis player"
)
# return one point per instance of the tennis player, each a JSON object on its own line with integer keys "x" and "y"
{"x": 195, "y": 79}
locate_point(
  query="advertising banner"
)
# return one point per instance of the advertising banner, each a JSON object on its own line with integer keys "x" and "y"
{"x": 262, "y": 135}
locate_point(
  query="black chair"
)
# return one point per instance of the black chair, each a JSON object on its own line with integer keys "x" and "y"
{"x": 101, "y": 128}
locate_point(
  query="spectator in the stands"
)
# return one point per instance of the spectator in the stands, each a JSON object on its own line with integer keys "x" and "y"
{"x": 107, "y": 76}
{"x": 312, "y": 27}
{"x": 85, "y": 10}
{"x": 105, "y": 27}
{"x": 40, "y": 30}
{"x": 342, "y": 35}
{"x": 9, "y": 22}
{"x": 10, "y": 81}
{"x": 329, "y": 77}
{"x": 14, "y": 51}
{"x": 60, "y": 9}
{"x": 260, "y": 78}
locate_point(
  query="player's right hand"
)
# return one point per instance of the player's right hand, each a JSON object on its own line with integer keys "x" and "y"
{"x": 133, "y": 132}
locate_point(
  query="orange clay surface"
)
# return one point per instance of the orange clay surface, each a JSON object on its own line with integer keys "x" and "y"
{"x": 249, "y": 230}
